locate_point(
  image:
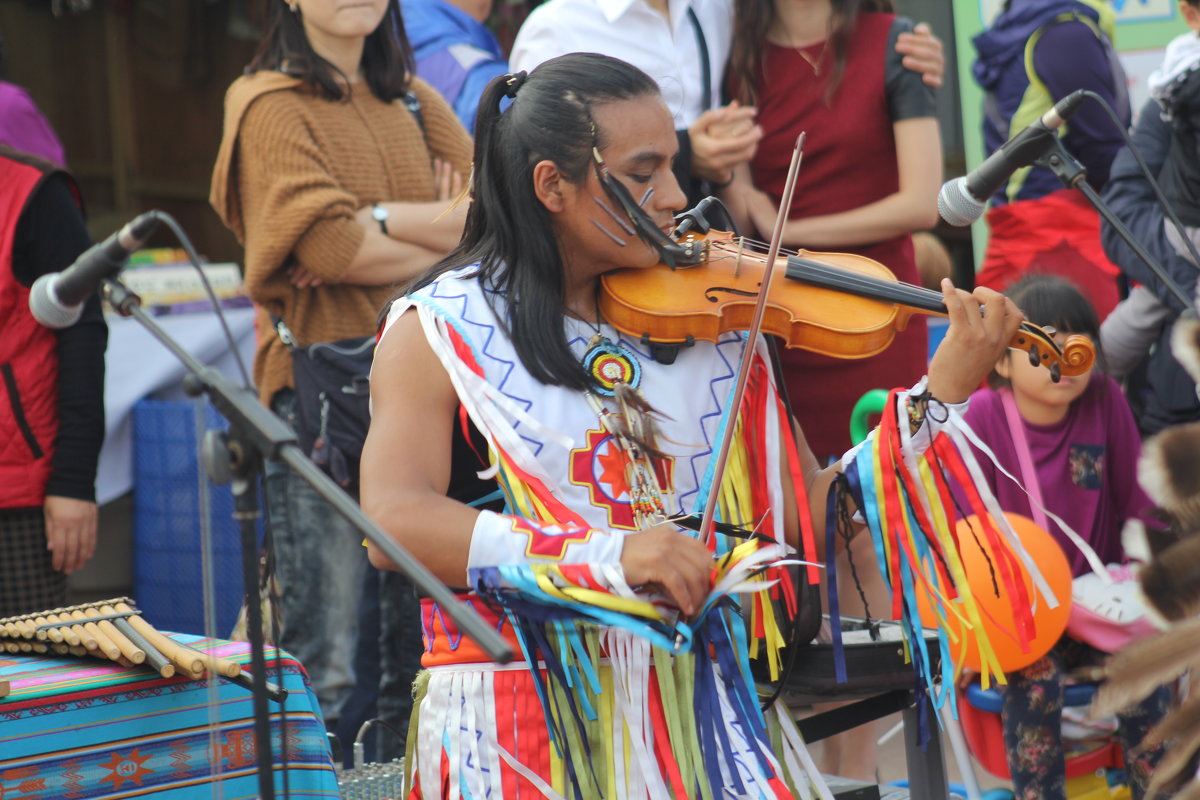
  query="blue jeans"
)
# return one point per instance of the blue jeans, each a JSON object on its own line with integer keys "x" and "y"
{"x": 319, "y": 565}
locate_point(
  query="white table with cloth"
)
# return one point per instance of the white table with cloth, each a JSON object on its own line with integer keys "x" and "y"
{"x": 137, "y": 365}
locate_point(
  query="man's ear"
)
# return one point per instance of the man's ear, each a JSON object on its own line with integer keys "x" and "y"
{"x": 548, "y": 185}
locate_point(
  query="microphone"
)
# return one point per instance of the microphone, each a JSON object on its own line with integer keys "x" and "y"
{"x": 961, "y": 201}
{"x": 56, "y": 299}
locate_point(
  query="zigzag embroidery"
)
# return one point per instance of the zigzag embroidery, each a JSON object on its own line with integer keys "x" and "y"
{"x": 718, "y": 404}
{"x": 487, "y": 331}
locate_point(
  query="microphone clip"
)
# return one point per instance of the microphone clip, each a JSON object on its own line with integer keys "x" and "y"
{"x": 1065, "y": 166}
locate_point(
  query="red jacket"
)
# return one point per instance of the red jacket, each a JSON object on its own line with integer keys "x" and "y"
{"x": 28, "y": 361}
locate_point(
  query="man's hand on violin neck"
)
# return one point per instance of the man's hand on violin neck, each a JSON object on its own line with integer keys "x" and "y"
{"x": 982, "y": 323}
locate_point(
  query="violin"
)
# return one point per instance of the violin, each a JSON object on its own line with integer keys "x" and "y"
{"x": 835, "y": 304}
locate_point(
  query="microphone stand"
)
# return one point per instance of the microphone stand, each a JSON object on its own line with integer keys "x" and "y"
{"x": 1072, "y": 174}
{"x": 255, "y": 433}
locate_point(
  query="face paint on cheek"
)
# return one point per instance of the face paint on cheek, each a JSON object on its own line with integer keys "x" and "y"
{"x": 600, "y": 227}
{"x": 614, "y": 216}
{"x": 646, "y": 197}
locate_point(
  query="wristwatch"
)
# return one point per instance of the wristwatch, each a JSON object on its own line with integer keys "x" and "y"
{"x": 380, "y": 214}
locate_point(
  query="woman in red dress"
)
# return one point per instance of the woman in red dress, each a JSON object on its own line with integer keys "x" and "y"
{"x": 871, "y": 172}
{"x": 870, "y": 176}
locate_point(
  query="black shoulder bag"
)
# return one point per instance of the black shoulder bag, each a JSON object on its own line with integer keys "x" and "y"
{"x": 332, "y": 394}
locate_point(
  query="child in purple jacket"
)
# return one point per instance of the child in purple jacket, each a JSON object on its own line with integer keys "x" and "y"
{"x": 1084, "y": 447}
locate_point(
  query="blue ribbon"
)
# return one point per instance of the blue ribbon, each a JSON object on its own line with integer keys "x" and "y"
{"x": 835, "y": 623}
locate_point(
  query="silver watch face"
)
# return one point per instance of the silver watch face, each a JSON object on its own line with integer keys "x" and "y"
{"x": 379, "y": 212}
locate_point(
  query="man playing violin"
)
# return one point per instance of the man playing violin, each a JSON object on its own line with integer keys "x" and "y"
{"x": 595, "y": 445}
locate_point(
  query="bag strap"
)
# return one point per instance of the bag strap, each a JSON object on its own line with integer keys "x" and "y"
{"x": 1024, "y": 458}
{"x": 413, "y": 104}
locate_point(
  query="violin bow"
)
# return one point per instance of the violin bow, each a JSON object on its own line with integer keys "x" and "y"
{"x": 760, "y": 305}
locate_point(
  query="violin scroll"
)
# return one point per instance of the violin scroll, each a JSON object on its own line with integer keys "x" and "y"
{"x": 1078, "y": 355}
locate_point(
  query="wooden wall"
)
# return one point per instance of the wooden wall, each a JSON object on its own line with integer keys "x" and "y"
{"x": 135, "y": 90}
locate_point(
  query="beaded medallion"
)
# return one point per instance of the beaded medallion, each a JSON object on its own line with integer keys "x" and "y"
{"x": 609, "y": 364}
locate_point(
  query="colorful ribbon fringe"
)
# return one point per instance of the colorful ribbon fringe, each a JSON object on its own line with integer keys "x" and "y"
{"x": 555, "y": 611}
{"x": 909, "y": 507}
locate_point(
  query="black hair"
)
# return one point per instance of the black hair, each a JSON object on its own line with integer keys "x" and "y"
{"x": 1049, "y": 300}
{"x": 387, "y": 60}
{"x": 508, "y": 231}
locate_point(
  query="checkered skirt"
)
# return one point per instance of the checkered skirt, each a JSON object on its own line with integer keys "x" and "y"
{"x": 28, "y": 581}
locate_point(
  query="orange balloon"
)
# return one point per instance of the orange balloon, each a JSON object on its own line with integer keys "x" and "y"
{"x": 995, "y": 607}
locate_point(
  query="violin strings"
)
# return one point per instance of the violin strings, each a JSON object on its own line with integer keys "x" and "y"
{"x": 901, "y": 292}
{"x": 875, "y": 288}
{"x": 838, "y": 278}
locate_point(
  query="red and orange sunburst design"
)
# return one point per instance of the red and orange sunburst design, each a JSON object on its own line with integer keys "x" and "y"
{"x": 127, "y": 768}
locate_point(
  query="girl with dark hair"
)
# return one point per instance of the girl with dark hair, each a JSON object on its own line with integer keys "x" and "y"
{"x": 335, "y": 172}
{"x": 1082, "y": 448}
{"x": 596, "y": 447}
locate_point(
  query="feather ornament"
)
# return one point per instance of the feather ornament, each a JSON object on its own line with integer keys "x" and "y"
{"x": 1190, "y": 791}
{"x": 1169, "y": 471}
{"x": 1171, "y": 582}
{"x": 641, "y": 424}
{"x": 1177, "y": 765}
{"x": 1141, "y": 667}
{"x": 1182, "y": 723}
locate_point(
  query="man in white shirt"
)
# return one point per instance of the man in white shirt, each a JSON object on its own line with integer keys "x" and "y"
{"x": 683, "y": 45}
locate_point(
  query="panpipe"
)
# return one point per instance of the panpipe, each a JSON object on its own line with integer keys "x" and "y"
{"x": 114, "y": 630}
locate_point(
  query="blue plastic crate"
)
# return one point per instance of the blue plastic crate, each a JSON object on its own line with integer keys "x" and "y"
{"x": 167, "y": 574}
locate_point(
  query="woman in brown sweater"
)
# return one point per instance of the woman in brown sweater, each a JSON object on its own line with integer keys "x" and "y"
{"x": 338, "y": 191}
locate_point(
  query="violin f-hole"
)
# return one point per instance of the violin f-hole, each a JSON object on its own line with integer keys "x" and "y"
{"x": 711, "y": 292}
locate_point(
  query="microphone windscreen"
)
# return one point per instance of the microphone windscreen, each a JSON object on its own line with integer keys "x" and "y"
{"x": 46, "y": 308}
{"x": 956, "y": 205}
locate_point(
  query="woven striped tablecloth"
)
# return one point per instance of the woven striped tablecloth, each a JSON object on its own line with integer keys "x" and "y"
{"x": 84, "y": 728}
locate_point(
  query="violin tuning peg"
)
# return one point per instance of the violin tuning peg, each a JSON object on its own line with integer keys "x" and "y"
{"x": 1055, "y": 372}
{"x": 1034, "y": 357}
